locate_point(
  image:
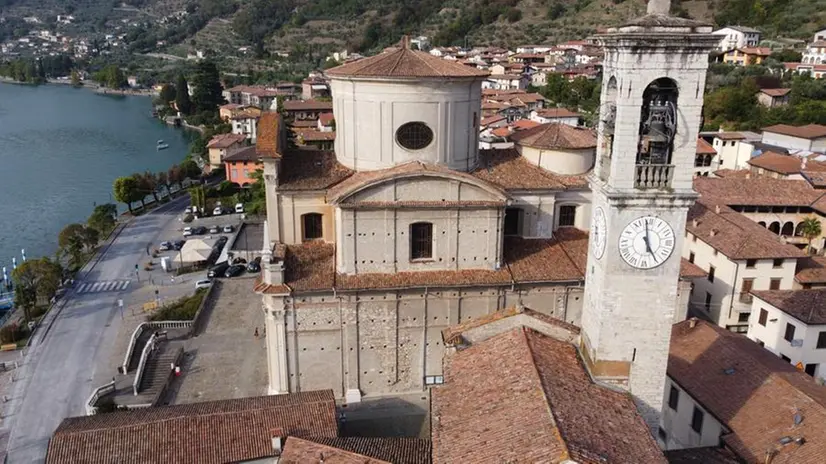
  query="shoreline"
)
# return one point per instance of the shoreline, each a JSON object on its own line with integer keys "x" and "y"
{"x": 89, "y": 85}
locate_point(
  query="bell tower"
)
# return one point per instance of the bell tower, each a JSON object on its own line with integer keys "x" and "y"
{"x": 654, "y": 74}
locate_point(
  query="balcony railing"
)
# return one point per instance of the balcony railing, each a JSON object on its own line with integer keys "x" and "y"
{"x": 654, "y": 176}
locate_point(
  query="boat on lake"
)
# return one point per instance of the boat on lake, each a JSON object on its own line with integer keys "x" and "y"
{"x": 162, "y": 145}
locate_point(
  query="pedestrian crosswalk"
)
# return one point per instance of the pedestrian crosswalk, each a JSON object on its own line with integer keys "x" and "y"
{"x": 103, "y": 286}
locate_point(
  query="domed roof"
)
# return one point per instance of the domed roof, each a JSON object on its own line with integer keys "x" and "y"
{"x": 556, "y": 136}
{"x": 402, "y": 62}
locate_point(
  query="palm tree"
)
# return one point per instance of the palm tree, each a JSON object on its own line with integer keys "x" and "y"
{"x": 811, "y": 230}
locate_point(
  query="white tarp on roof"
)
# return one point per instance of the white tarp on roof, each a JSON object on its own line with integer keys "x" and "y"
{"x": 197, "y": 249}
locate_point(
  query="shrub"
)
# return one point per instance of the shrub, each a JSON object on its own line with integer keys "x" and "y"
{"x": 182, "y": 310}
{"x": 13, "y": 333}
{"x": 188, "y": 218}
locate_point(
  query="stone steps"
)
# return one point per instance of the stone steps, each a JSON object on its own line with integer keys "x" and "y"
{"x": 157, "y": 370}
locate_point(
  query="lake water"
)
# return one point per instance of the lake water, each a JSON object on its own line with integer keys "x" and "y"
{"x": 60, "y": 150}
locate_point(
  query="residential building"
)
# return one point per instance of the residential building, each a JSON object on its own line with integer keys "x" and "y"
{"x": 792, "y": 325}
{"x": 817, "y": 71}
{"x": 262, "y": 97}
{"x": 734, "y": 149}
{"x": 326, "y": 122}
{"x": 733, "y": 37}
{"x": 222, "y": 145}
{"x": 811, "y": 137}
{"x": 314, "y": 138}
{"x": 746, "y": 56}
{"x": 245, "y": 122}
{"x": 772, "y": 98}
{"x": 240, "y": 166}
{"x": 227, "y": 111}
{"x": 705, "y": 160}
{"x": 506, "y": 82}
{"x": 304, "y": 110}
{"x": 725, "y": 391}
{"x": 815, "y": 53}
{"x": 778, "y": 166}
{"x": 819, "y": 35}
{"x": 811, "y": 273}
{"x": 314, "y": 87}
{"x": 556, "y": 115}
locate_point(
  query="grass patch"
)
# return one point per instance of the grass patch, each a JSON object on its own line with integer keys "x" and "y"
{"x": 181, "y": 310}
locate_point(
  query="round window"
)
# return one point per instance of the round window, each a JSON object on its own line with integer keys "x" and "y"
{"x": 414, "y": 135}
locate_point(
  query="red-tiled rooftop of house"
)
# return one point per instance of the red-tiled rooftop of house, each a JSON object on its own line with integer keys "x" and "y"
{"x": 556, "y": 136}
{"x": 501, "y": 132}
{"x": 750, "y": 390}
{"x": 225, "y": 140}
{"x": 762, "y": 51}
{"x": 807, "y": 306}
{"x": 492, "y": 119}
{"x": 732, "y": 173}
{"x": 244, "y": 154}
{"x": 214, "y": 432}
{"x": 735, "y": 235}
{"x": 707, "y": 455}
{"x": 809, "y": 131}
{"x": 729, "y": 136}
{"x": 776, "y": 92}
{"x": 313, "y": 135}
{"x": 311, "y": 170}
{"x": 307, "y": 105}
{"x": 811, "y": 270}
{"x": 540, "y": 406}
{"x": 757, "y": 191}
{"x": 689, "y": 270}
{"x": 356, "y": 450}
{"x": 269, "y": 128}
{"x": 816, "y": 178}
{"x": 402, "y": 62}
{"x": 775, "y": 162}
{"x": 510, "y": 171}
{"x": 326, "y": 119}
{"x": 557, "y": 113}
{"x": 524, "y": 124}
{"x": 705, "y": 148}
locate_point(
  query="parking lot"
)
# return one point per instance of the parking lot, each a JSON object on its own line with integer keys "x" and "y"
{"x": 217, "y": 222}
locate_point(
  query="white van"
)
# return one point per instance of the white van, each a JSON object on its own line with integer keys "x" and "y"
{"x": 239, "y": 208}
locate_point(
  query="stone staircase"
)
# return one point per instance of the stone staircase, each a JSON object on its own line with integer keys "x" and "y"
{"x": 158, "y": 369}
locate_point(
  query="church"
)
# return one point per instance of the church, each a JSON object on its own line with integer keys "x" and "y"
{"x": 375, "y": 250}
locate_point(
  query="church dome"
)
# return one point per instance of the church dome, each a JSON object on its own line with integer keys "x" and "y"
{"x": 557, "y": 147}
{"x": 402, "y": 62}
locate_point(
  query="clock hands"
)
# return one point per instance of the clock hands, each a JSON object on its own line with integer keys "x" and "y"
{"x": 647, "y": 241}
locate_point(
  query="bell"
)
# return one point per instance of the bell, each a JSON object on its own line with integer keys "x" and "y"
{"x": 657, "y": 132}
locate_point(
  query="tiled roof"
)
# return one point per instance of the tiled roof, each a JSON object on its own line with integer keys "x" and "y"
{"x": 269, "y": 289}
{"x": 249, "y": 112}
{"x": 689, "y": 270}
{"x": 761, "y": 51}
{"x": 225, "y": 140}
{"x": 355, "y": 450}
{"x": 326, "y": 119}
{"x": 816, "y": 178}
{"x": 540, "y": 406}
{"x": 269, "y": 128}
{"x": 459, "y": 278}
{"x": 510, "y": 171}
{"x": 735, "y": 235}
{"x": 811, "y": 270}
{"x": 402, "y": 62}
{"x": 732, "y": 173}
{"x": 524, "y": 124}
{"x": 705, "y": 148}
{"x": 557, "y": 113}
{"x": 757, "y": 191}
{"x": 492, "y": 119}
{"x": 310, "y": 266}
{"x": 776, "y": 92}
{"x": 775, "y": 162}
{"x": 708, "y": 455}
{"x": 501, "y": 131}
{"x": 312, "y": 135}
{"x": 244, "y": 154}
{"x": 809, "y": 131}
{"x": 729, "y": 136}
{"x": 303, "y": 124}
{"x": 308, "y": 105}
{"x": 750, "y": 390}
{"x": 807, "y": 306}
{"x": 556, "y": 136}
{"x": 201, "y": 433}
{"x": 311, "y": 170}
{"x": 449, "y": 334}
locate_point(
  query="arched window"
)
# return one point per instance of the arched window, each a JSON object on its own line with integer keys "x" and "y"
{"x": 775, "y": 227}
{"x": 421, "y": 240}
{"x": 311, "y": 226}
{"x": 788, "y": 229}
{"x": 798, "y": 231}
{"x": 608, "y": 116}
{"x": 761, "y": 223}
{"x": 567, "y": 215}
{"x": 658, "y": 122}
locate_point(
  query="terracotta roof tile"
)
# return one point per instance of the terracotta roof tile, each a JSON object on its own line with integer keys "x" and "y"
{"x": 756, "y": 191}
{"x": 775, "y": 162}
{"x": 308, "y": 105}
{"x": 492, "y": 119}
{"x": 540, "y": 406}
{"x": 556, "y": 136}
{"x": 310, "y": 266}
{"x": 708, "y": 455}
{"x": 303, "y": 124}
{"x": 244, "y": 154}
{"x": 510, "y": 171}
{"x": 449, "y": 334}
{"x": 809, "y": 131}
{"x": 502, "y": 132}
{"x": 396, "y": 450}
{"x": 268, "y": 289}
{"x": 524, "y": 124}
{"x": 729, "y": 136}
{"x": 312, "y": 135}
{"x": 689, "y": 270}
{"x": 732, "y": 173}
{"x": 807, "y": 306}
{"x": 311, "y": 170}
{"x": 557, "y": 113}
{"x": 705, "y": 148}
{"x": 269, "y": 128}
{"x": 761, "y": 51}
{"x": 816, "y": 178}
{"x": 811, "y": 270}
{"x": 750, "y": 390}
{"x": 776, "y": 92}
{"x": 326, "y": 119}
{"x": 238, "y": 430}
{"x": 300, "y": 451}
{"x": 734, "y": 235}
{"x": 403, "y": 62}
{"x": 226, "y": 140}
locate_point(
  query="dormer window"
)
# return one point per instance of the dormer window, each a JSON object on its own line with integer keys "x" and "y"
{"x": 311, "y": 226}
{"x": 421, "y": 240}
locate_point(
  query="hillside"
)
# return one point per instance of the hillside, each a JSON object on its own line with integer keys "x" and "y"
{"x": 309, "y": 29}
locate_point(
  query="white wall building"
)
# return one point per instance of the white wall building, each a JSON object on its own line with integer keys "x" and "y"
{"x": 556, "y": 115}
{"x": 815, "y": 53}
{"x": 732, "y": 37}
{"x": 734, "y": 150}
{"x": 811, "y": 137}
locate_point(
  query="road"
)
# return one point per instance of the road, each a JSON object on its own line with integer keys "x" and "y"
{"x": 57, "y": 374}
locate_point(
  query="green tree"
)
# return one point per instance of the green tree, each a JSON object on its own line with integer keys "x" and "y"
{"x": 257, "y": 192}
{"x": 111, "y": 76}
{"x": 163, "y": 181}
{"x": 182, "y": 100}
{"x": 207, "y": 92}
{"x": 126, "y": 190}
{"x": 148, "y": 183}
{"x": 175, "y": 175}
{"x": 168, "y": 93}
{"x": 35, "y": 278}
{"x": 102, "y": 218}
{"x": 811, "y": 229}
{"x": 190, "y": 169}
{"x": 75, "y": 240}
{"x": 75, "y": 77}
{"x": 787, "y": 55}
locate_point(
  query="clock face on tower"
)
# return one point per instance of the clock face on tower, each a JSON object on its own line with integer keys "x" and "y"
{"x": 598, "y": 233}
{"x": 646, "y": 242}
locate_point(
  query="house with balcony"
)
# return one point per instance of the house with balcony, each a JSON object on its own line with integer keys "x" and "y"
{"x": 746, "y": 56}
{"x": 732, "y": 37}
{"x": 815, "y": 53}
{"x": 705, "y": 161}
{"x": 245, "y": 122}
{"x": 816, "y": 71}
{"x": 792, "y": 325}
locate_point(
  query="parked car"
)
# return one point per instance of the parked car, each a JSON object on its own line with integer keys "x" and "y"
{"x": 188, "y": 210}
{"x": 178, "y": 244}
{"x": 217, "y": 211}
{"x": 165, "y": 246}
{"x": 214, "y": 230}
{"x": 205, "y": 283}
{"x": 239, "y": 208}
{"x": 254, "y": 266}
{"x": 200, "y": 230}
{"x": 218, "y": 270}
{"x": 234, "y": 270}
{"x": 239, "y": 260}
{"x": 187, "y": 231}
{"x": 221, "y": 241}
{"x": 228, "y": 229}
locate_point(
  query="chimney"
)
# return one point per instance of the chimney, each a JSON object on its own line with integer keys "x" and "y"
{"x": 692, "y": 322}
{"x": 277, "y": 437}
{"x": 803, "y": 164}
{"x": 712, "y": 233}
{"x": 717, "y": 209}
{"x": 695, "y": 223}
{"x": 659, "y": 7}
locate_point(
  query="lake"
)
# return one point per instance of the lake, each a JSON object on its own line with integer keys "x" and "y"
{"x": 60, "y": 150}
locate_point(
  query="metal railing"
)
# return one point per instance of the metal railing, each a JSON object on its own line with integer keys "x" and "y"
{"x": 150, "y": 325}
{"x": 147, "y": 350}
{"x": 91, "y": 409}
{"x": 653, "y": 176}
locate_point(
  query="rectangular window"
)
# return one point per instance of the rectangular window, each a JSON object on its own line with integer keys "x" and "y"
{"x": 513, "y": 217}
{"x": 661, "y": 433}
{"x": 708, "y": 301}
{"x": 821, "y": 340}
{"x": 673, "y": 398}
{"x": 788, "y": 335}
{"x": 785, "y": 358}
{"x": 234, "y": 173}
{"x": 774, "y": 284}
{"x": 567, "y": 215}
{"x": 691, "y": 257}
{"x": 697, "y": 420}
{"x": 777, "y": 263}
{"x": 711, "y": 273}
{"x": 743, "y": 317}
{"x": 759, "y": 342}
{"x": 747, "y": 286}
{"x": 434, "y": 380}
{"x": 810, "y": 369}
{"x": 311, "y": 223}
{"x": 750, "y": 263}
{"x": 763, "y": 316}
{"x": 421, "y": 240}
